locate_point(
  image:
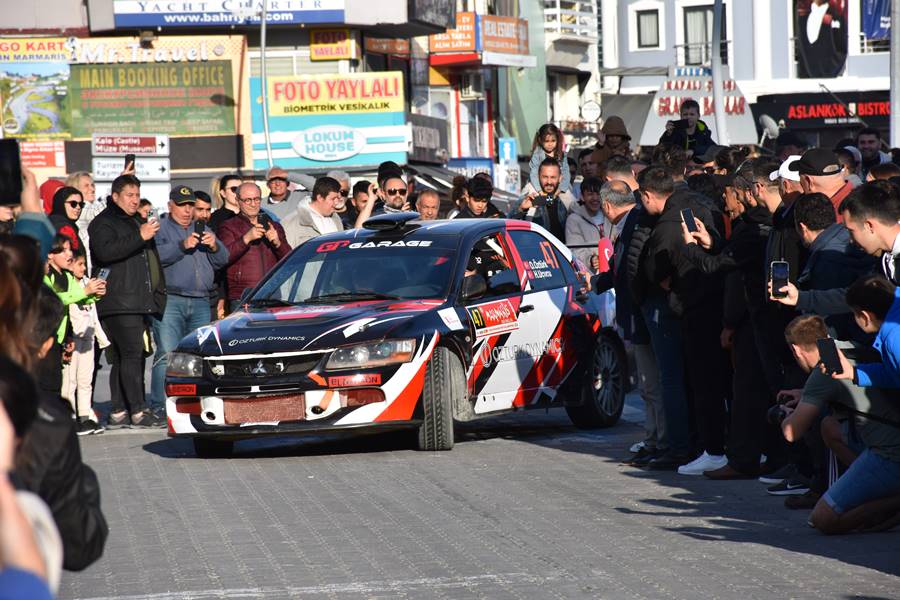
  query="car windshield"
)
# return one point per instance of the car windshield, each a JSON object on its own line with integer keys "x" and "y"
{"x": 349, "y": 270}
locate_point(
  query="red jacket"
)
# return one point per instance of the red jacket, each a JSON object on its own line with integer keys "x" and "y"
{"x": 247, "y": 264}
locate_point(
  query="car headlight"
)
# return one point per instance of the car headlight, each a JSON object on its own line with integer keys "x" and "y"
{"x": 184, "y": 365}
{"x": 375, "y": 354}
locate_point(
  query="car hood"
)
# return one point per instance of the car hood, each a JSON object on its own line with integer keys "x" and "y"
{"x": 302, "y": 328}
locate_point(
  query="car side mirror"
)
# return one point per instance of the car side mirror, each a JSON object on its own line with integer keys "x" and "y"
{"x": 504, "y": 282}
{"x": 473, "y": 286}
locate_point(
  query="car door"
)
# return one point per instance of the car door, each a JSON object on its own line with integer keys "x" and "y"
{"x": 546, "y": 289}
{"x": 504, "y": 332}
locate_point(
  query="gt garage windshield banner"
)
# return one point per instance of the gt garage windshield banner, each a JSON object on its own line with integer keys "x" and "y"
{"x": 356, "y": 119}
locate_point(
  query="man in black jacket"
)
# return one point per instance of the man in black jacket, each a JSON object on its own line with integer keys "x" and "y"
{"x": 743, "y": 255}
{"x": 619, "y": 207}
{"x": 135, "y": 289}
{"x": 675, "y": 297}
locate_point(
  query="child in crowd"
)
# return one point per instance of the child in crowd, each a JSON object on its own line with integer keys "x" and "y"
{"x": 78, "y": 374}
{"x": 548, "y": 142}
{"x": 70, "y": 291}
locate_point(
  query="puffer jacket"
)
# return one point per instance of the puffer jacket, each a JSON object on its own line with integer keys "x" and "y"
{"x": 136, "y": 283}
{"x": 248, "y": 263}
{"x": 581, "y": 230}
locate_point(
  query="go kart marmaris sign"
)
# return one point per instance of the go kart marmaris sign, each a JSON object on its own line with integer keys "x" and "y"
{"x": 324, "y": 121}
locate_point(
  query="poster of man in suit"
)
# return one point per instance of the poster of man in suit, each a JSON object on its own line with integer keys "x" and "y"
{"x": 820, "y": 30}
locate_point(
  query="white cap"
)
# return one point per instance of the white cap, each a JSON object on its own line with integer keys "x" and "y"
{"x": 783, "y": 171}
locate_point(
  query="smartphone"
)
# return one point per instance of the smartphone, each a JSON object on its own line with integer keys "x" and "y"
{"x": 687, "y": 215}
{"x": 680, "y": 124}
{"x": 10, "y": 172}
{"x": 828, "y": 354}
{"x": 153, "y": 217}
{"x": 199, "y": 226}
{"x": 539, "y": 201}
{"x": 103, "y": 274}
{"x": 779, "y": 273}
{"x": 263, "y": 219}
{"x": 129, "y": 160}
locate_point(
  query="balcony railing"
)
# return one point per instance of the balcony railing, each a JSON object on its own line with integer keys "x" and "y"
{"x": 700, "y": 54}
{"x": 867, "y": 46}
{"x": 571, "y": 18}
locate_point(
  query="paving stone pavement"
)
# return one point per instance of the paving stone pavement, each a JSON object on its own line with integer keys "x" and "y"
{"x": 525, "y": 506}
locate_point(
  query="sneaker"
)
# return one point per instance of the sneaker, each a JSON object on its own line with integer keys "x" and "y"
{"x": 704, "y": 462}
{"x": 118, "y": 420}
{"x": 85, "y": 427}
{"x": 146, "y": 420}
{"x": 795, "y": 486}
{"x": 667, "y": 461}
{"x": 807, "y": 500}
{"x": 786, "y": 472}
{"x": 98, "y": 428}
{"x": 641, "y": 456}
{"x": 636, "y": 447}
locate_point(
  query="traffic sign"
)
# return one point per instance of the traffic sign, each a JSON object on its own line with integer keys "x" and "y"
{"x": 120, "y": 144}
{"x": 146, "y": 169}
{"x": 508, "y": 150}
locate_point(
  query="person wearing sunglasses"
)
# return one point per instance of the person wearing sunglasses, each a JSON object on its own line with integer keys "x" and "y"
{"x": 67, "y": 206}
{"x": 392, "y": 192}
{"x": 280, "y": 203}
{"x": 224, "y": 191}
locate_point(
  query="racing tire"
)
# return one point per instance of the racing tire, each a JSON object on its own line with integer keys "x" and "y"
{"x": 436, "y": 431}
{"x": 205, "y": 448}
{"x": 603, "y": 393}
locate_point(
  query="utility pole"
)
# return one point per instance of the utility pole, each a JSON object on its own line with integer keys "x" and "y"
{"x": 717, "y": 83}
{"x": 895, "y": 73}
{"x": 264, "y": 81}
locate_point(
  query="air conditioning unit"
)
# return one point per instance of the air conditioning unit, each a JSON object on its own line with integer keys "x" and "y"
{"x": 471, "y": 85}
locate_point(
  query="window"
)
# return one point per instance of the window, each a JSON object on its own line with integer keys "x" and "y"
{"x": 489, "y": 260}
{"x": 647, "y": 29}
{"x": 542, "y": 266}
{"x": 698, "y": 24}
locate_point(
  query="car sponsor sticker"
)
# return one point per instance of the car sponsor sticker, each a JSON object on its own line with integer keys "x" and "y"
{"x": 492, "y": 318}
{"x": 450, "y": 319}
{"x": 389, "y": 244}
{"x": 355, "y": 380}
{"x": 490, "y": 355}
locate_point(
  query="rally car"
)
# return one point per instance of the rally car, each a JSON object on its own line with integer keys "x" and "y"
{"x": 400, "y": 324}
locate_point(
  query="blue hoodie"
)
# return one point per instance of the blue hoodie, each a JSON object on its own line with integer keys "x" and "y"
{"x": 885, "y": 374}
{"x": 188, "y": 273}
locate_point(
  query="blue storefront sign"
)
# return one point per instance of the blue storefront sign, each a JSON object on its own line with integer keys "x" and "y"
{"x": 469, "y": 167}
{"x": 224, "y": 13}
{"x": 876, "y": 19}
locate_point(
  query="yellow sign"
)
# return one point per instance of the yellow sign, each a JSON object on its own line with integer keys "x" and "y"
{"x": 332, "y": 44}
{"x": 336, "y": 94}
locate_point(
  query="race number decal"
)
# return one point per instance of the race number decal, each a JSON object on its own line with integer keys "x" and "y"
{"x": 492, "y": 318}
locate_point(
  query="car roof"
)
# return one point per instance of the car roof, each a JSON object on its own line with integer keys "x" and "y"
{"x": 462, "y": 228}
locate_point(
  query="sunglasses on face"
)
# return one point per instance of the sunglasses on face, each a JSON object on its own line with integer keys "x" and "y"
{"x": 345, "y": 193}
{"x": 278, "y": 179}
{"x": 396, "y": 192}
{"x": 234, "y": 189}
{"x": 75, "y": 204}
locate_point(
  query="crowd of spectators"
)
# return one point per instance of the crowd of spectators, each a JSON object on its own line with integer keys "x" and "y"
{"x": 688, "y": 234}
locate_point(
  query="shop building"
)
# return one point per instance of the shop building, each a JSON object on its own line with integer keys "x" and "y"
{"x": 819, "y": 68}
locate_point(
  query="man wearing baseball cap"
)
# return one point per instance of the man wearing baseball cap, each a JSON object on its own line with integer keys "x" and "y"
{"x": 821, "y": 172}
{"x": 190, "y": 255}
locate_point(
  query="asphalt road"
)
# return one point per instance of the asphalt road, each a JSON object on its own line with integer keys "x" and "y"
{"x": 525, "y": 506}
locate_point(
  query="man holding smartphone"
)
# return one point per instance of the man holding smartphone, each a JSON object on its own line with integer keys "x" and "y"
{"x": 190, "y": 256}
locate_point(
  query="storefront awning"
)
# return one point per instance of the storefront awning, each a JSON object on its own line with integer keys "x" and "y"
{"x": 632, "y": 108}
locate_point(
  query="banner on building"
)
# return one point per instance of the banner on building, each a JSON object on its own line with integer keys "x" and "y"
{"x": 223, "y": 13}
{"x": 333, "y": 44}
{"x": 325, "y": 121}
{"x": 876, "y": 19}
{"x": 820, "y": 31}
{"x": 462, "y": 38}
{"x": 695, "y": 83}
{"x": 70, "y": 88}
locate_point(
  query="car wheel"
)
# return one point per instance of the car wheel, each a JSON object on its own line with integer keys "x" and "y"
{"x": 436, "y": 431}
{"x": 205, "y": 448}
{"x": 604, "y": 392}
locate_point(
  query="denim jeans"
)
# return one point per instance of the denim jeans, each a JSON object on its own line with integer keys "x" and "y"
{"x": 666, "y": 339}
{"x": 183, "y": 315}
